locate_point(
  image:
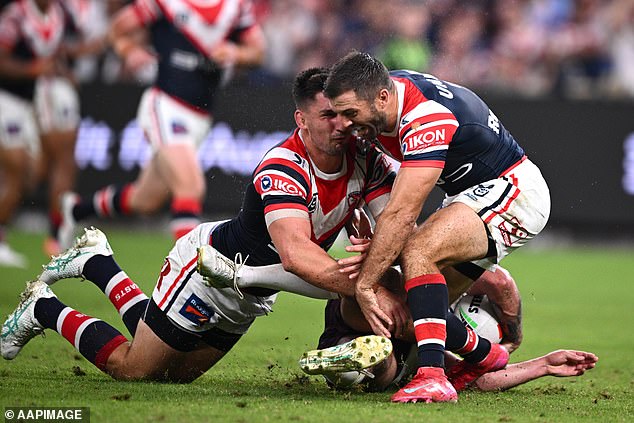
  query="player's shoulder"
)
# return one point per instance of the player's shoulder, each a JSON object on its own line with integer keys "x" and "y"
{"x": 290, "y": 153}
{"x": 13, "y": 10}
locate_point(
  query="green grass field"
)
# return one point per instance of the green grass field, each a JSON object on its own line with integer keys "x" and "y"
{"x": 573, "y": 298}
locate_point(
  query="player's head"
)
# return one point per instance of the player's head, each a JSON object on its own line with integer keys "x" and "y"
{"x": 314, "y": 116}
{"x": 307, "y": 85}
{"x": 359, "y": 72}
{"x": 358, "y": 88}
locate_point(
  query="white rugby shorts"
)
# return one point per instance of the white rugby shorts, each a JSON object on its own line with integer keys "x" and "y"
{"x": 166, "y": 120}
{"x": 515, "y": 207}
{"x": 56, "y": 104}
{"x": 195, "y": 307}
{"x": 18, "y": 128}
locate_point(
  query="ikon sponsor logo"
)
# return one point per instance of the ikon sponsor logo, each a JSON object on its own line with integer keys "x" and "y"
{"x": 425, "y": 139}
{"x": 271, "y": 183}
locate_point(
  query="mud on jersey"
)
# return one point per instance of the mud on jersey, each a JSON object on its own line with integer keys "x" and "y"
{"x": 287, "y": 184}
{"x": 444, "y": 125}
{"x": 184, "y": 34}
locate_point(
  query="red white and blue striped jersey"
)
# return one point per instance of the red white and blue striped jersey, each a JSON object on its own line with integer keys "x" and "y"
{"x": 184, "y": 34}
{"x": 444, "y": 125}
{"x": 26, "y": 33}
{"x": 287, "y": 184}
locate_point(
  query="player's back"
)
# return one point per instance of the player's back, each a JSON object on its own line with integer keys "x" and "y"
{"x": 479, "y": 149}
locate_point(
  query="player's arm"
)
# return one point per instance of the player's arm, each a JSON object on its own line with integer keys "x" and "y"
{"x": 302, "y": 257}
{"x": 246, "y": 52}
{"x": 561, "y": 363}
{"x": 12, "y": 68}
{"x": 127, "y": 36}
{"x": 392, "y": 230}
{"x": 500, "y": 288}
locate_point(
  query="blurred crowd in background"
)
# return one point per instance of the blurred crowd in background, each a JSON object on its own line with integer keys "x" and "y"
{"x": 529, "y": 48}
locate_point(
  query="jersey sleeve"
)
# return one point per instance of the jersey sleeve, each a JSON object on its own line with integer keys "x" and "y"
{"x": 425, "y": 134}
{"x": 281, "y": 180}
{"x": 381, "y": 175}
{"x": 246, "y": 21}
{"x": 147, "y": 11}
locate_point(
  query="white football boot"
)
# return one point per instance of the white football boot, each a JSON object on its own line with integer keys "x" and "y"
{"x": 66, "y": 231}
{"x": 21, "y": 325}
{"x": 70, "y": 264}
{"x": 357, "y": 354}
{"x": 218, "y": 270}
{"x": 10, "y": 258}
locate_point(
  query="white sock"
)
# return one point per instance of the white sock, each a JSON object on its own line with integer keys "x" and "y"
{"x": 275, "y": 277}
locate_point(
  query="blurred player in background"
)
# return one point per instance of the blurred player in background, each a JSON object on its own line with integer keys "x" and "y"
{"x": 196, "y": 46}
{"x": 58, "y": 110}
{"x": 36, "y": 98}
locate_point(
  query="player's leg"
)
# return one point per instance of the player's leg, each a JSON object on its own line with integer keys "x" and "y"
{"x": 339, "y": 341}
{"x": 180, "y": 170}
{"x": 57, "y": 109}
{"x": 14, "y": 175}
{"x": 91, "y": 258}
{"x": 147, "y": 358}
{"x": 18, "y": 143}
{"x": 222, "y": 272}
{"x": 175, "y": 131}
{"x": 451, "y": 235}
{"x": 144, "y": 196}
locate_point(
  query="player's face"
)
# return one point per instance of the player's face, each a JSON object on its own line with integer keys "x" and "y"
{"x": 320, "y": 121}
{"x": 360, "y": 116}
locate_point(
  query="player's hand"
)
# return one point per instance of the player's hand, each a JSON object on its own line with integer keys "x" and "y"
{"x": 510, "y": 346}
{"x": 225, "y": 54}
{"x": 564, "y": 363}
{"x": 369, "y": 305}
{"x": 396, "y": 309}
{"x": 352, "y": 265}
{"x": 138, "y": 59}
{"x": 359, "y": 224}
{"x": 41, "y": 66}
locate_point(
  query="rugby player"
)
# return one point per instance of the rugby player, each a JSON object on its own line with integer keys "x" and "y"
{"x": 196, "y": 48}
{"x": 497, "y": 200}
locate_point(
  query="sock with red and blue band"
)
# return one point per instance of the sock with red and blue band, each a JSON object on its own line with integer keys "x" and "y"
{"x": 123, "y": 293}
{"x": 427, "y": 298}
{"x": 93, "y": 338}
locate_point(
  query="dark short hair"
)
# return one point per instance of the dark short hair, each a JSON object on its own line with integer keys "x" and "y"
{"x": 307, "y": 85}
{"x": 359, "y": 72}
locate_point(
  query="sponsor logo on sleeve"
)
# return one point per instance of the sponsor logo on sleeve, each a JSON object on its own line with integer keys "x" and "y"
{"x": 279, "y": 184}
{"x": 424, "y": 139}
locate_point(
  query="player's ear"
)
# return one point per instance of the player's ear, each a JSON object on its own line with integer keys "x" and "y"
{"x": 300, "y": 119}
{"x": 383, "y": 97}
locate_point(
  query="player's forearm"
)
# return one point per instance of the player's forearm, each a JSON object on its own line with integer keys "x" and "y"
{"x": 513, "y": 375}
{"x": 312, "y": 264}
{"x": 17, "y": 69}
{"x": 504, "y": 295}
{"x": 250, "y": 51}
{"x": 392, "y": 230}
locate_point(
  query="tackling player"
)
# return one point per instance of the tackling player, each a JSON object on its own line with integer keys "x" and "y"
{"x": 196, "y": 48}
{"x": 302, "y": 194}
{"x": 497, "y": 200}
